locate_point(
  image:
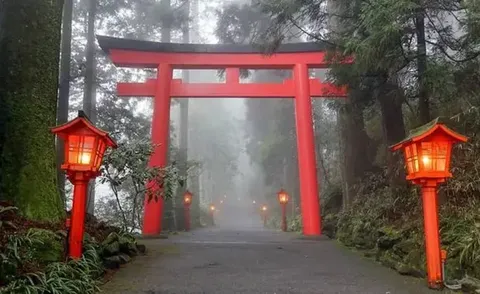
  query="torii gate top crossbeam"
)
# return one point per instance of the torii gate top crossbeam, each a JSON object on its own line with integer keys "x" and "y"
{"x": 146, "y": 54}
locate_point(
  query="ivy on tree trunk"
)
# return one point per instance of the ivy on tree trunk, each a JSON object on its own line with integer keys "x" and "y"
{"x": 29, "y": 50}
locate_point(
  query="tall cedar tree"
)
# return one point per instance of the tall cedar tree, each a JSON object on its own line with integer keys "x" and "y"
{"x": 29, "y": 50}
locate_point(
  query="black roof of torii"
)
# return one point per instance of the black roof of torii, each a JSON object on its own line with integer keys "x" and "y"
{"x": 109, "y": 43}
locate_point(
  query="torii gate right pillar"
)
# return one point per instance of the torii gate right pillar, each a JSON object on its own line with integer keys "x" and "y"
{"x": 310, "y": 203}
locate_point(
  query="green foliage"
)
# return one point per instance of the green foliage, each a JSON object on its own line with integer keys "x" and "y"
{"x": 128, "y": 175}
{"x": 31, "y": 262}
{"x": 295, "y": 224}
{"x": 461, "y": 235}
{"x": 72, "y": 277}
{"x": 49, "y": 246}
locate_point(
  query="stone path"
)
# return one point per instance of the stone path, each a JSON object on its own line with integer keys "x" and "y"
{"x": 224, "y": 260}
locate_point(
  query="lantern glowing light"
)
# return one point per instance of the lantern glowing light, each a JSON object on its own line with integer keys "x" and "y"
{"x": 212, "y": 207}
{"x": 187, "y": 198}
{"x": 264, "y": 208}
{"x": 282, "y": 197}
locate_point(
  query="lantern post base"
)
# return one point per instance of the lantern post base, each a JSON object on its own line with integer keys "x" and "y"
{"x": 432, "y": 235}
{"x": 187, "y": 218}
{"x": 284, "y": 217}
{"x": 438, "y": 285}
{"x": 213, "y": 218}
{"x": 75, "y": 242}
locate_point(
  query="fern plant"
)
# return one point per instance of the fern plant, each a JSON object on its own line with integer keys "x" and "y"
{"x": 72, "y": 277}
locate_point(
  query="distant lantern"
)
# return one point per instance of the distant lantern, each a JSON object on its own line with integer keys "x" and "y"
{"x": 187, "y": 201}
{"x": 282, "y": 197}
{"x": 212, "y": 207}
{"x": 85, "y": 144}
{"x": 187, "y": 198}
{"x": 427, "y": 151}
{"x": 264, "y": 208}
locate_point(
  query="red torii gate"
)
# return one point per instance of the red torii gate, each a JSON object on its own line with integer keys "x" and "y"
{"x": 168, "y": 56}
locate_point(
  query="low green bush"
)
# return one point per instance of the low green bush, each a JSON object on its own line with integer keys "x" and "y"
{"x": 33, "y": 261}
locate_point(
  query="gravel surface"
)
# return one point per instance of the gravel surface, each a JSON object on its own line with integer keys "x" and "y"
{"x": 226, "y": 260}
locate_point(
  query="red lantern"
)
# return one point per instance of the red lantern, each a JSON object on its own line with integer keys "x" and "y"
{"x": 187, "y": 201}
{"x": 187, "y": 198}
{"x": 85, "y": 146}
{"x": 283, "y": 197}
{"x": 427, "y": 152}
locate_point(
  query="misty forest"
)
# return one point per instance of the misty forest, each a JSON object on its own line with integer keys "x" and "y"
{"x": 414, "y": 61}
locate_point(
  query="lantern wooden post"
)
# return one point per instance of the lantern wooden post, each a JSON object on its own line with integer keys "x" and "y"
{"x": 212, "y": 213}
{"x": 264, "y": 215}
{"x": 187, "y": 201}
{"x": 427, "y": 153}
{"x": 283, "y": 200}
{"x": 85, "y": 146}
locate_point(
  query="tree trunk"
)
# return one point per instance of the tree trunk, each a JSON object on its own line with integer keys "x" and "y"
{"x": 64, "y": 91}
{"x": 390, "y": 99}
{"x": 169, "y": 222}
{"x": 195, "y": 186}
{"x": 183, "y": 145}
{"x": 89, "y": 94}
{"x": 30, "y": 50}
{"x": 423, "y": 95}
{"x": 359, "y": 149}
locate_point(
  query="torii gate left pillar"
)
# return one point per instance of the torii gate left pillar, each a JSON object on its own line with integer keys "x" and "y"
{"x": 299, "y": 57}
{"x": 153, "y": 210}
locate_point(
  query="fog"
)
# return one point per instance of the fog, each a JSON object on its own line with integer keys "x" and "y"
{"x": 244, "y": 149}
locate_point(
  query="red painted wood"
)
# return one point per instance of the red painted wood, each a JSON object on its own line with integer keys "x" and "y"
{"x": 307, "y": 167}
{"x": 231, "y": 89}
{"x": 153, "y": 213}
{"x": 138, "y": 59}
{"x": 303, "y": 89}
{"x": 80, "y": 185}
{"x": 232, "y": 75}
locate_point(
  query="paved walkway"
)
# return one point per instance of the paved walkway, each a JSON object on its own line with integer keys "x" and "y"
{"x": 224, "y": 260}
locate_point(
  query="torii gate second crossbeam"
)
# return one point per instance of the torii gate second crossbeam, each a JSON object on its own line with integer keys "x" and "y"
{"x": 166, "y": 57}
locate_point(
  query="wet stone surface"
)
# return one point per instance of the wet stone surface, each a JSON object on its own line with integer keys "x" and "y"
{"x": 254, "y": 260}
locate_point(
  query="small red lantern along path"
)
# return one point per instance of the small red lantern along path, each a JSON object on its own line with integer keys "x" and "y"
{"x": 187, "y": 201}
{"x": 283, "y": 200}
{"x": 427, "y": 153}
{"x": 85, "y": 146}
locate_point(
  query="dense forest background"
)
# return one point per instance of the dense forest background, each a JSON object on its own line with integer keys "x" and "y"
{"x": 414, "y": 61}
